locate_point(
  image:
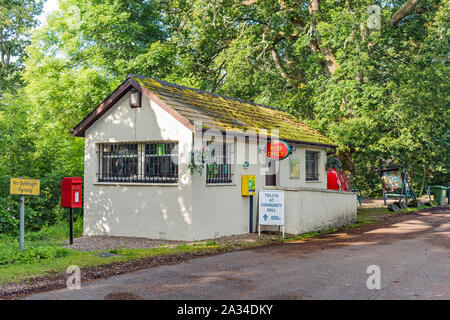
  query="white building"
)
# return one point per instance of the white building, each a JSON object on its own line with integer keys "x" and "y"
{"x": 133, "y": 188}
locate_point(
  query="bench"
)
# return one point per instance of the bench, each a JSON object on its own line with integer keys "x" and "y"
{"x": 398, "y": 194}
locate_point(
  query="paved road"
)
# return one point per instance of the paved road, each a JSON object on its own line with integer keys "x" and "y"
{"x": 413, "y": 254}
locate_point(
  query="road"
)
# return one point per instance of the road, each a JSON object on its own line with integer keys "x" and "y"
{"x": 412, "y": 252}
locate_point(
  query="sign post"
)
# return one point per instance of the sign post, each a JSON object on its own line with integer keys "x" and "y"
{"x": 23, "y": 187}
{"x": 271, "y": 209}
{"x": 22, "y": 223}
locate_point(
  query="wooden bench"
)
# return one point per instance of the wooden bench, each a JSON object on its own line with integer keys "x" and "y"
{"x": 398, "y": 194}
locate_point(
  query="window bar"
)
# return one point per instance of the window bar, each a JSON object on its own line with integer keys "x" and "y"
{"x": 99, "y": 178}
{"x": 225, "y": 162}
{"x": 142, "y": 157}
{"x": 169, "y": 159}
{"x": 122, "y": 152}
{"x": 163, "y": 162}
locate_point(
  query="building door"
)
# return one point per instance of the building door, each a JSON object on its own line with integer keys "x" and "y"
{"x": 271, "y": 174}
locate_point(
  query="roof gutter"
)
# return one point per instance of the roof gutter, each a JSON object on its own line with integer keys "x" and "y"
{"x": 256, "y": 137}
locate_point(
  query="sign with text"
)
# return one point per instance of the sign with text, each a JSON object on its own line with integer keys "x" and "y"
{"x": 25, "y": 187}
{"x": 271, "y": 207}
{"x": 277, "y": 150}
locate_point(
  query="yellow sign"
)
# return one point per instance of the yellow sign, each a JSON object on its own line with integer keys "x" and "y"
{"x": 25, "y": 187}
{"x": 248, "y": 185}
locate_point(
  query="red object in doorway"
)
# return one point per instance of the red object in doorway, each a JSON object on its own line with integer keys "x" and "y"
{"x": 71, "y": 191}
{"x": 336, "y": 181}
{"x": 333, "y": 180}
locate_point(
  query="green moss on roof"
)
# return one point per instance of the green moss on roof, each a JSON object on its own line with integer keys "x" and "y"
{"x": 224, "y": 113}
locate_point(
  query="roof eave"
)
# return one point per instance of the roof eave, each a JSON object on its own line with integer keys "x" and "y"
{"x": 80, "y": 129}
{"x": 256, "y": 137}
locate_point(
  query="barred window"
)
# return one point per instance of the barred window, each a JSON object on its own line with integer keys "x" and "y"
{"x": 159, "y": 166}
{"x": 220, "y": 170}
{"x": 312, "y": 165}
{"x": 119, "y": 162}
{"x": 138, "y": 162}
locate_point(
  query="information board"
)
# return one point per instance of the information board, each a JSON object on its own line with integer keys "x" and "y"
{"x": 271, "y": 207}
{"x": 25, "y": 187}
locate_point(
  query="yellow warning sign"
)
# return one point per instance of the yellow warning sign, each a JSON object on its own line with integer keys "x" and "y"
{"x": 248, "y": 185}
{"x": 25, "y": 187}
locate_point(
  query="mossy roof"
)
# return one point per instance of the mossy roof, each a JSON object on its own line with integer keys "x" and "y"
{"x": 225, "y": 113}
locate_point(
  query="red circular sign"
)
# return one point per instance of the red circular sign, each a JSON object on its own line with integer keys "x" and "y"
{"x": 277, "y": 150}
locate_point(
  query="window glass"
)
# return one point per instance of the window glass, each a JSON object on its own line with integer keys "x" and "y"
{"x": 312, "y": 165}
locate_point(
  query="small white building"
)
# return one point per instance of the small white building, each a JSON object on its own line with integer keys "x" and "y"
{"x": 138, "y": 181}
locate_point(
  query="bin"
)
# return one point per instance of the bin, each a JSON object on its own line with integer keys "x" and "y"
{"x": 439, "y": 193}
{"x": 448, "y": 192}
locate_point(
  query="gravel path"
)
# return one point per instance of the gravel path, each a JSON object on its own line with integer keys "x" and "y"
{"x": 98, "y": 243}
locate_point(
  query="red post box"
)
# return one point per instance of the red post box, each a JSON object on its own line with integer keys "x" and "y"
{"x": 71, "y": 192}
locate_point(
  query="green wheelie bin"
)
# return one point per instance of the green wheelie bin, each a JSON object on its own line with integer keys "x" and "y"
{"x": 439, "y": 193}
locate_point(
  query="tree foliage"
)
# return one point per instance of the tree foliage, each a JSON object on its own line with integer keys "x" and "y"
{"x": 378, "y": 92}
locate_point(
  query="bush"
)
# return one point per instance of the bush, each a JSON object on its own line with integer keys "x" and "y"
{"x": 9, "y": 254}
{"x": 8, "y": 221}
{"x": 10, "y": 215}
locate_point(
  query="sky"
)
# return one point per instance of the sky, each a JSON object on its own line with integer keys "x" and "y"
{"x": 49, "y": 7}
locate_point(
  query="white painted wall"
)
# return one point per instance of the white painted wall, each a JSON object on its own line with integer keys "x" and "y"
{"x": 140, "y": 210}
{"x": 308, "y": 209}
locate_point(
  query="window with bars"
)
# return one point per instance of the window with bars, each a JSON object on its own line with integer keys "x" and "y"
{"x": 220, "y": 170}
{"x": 138, "y": 162}
{"x": 312, "y": 165}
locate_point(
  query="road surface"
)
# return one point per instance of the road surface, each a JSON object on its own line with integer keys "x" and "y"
{"x": 412, "y": 253}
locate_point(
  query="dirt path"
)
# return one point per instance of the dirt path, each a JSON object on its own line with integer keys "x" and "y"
{"x": 412, "y": 251}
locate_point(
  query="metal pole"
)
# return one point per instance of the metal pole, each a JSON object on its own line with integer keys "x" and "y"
{"x": 251, "y": 215}
{"x": 22, "y": 223}
{"x": 71, "y": 226}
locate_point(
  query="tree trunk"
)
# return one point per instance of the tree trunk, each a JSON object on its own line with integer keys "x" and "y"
{"x": 405, "y": 10}
{"x": 351, "y": 178}
{"x": 422, "y": 186}
{"x": 331, "y": 63}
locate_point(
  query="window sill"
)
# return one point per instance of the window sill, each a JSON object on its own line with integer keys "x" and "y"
{"x": 313, "y": 181}
{"x": 220, "y": 184}
{"x": 136, "y": 184}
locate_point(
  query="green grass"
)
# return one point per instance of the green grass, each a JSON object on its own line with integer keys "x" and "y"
{"x": 17, "y": 272}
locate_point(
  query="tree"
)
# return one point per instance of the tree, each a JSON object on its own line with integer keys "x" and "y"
{"x": 321, "y": 60}
{"x": 17, "y": 18}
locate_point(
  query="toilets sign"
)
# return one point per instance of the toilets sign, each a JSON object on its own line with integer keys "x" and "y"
{"x": 271, "y": 207}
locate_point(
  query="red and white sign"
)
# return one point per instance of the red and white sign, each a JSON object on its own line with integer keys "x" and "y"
{"x": 277, "y": 150}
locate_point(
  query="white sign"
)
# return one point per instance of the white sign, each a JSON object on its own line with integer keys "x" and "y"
{"x": 271, "y": 207}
